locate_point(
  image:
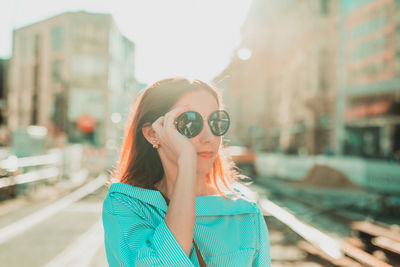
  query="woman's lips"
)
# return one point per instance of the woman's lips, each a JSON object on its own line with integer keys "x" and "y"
{"x": 206, "y": 155}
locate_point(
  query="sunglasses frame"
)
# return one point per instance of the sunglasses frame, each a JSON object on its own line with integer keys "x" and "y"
{"x": 202, "y": 121}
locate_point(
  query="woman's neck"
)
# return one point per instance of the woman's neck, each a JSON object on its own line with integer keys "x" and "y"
{"x": 166, "y": 187}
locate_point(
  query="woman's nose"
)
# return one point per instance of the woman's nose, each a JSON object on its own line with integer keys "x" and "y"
{"x": 206, "y": 134}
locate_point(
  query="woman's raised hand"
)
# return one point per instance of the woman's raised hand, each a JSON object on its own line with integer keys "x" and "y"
{"x": 171, "y": 141}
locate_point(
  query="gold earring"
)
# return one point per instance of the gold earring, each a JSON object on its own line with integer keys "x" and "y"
{"x": 154, "y": 143}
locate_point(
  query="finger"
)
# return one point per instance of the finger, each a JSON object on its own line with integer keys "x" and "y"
{"x": 172, "y": 115}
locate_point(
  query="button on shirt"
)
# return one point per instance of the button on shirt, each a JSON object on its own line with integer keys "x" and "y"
{"x": 227, "y": 232}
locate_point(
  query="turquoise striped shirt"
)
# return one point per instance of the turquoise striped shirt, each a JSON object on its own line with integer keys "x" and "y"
{"x": 227, "y": 232}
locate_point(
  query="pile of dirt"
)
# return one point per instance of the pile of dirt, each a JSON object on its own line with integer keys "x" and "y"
{"x": 325, "y": 176}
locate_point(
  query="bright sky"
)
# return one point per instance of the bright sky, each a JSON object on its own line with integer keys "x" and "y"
{"x": 191, "y": 38}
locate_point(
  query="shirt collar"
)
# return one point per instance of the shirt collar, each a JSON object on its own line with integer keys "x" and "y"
{"x": 205, "y": 205}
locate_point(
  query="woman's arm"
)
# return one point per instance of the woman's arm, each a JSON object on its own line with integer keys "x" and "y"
{"x": 180, "y": 216}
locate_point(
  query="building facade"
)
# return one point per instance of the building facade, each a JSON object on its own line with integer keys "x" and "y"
{"x": 282, "y": 94}
{"x": 72, "y": 73}
{"x": 4, "y": 134}
{"x": 369, "y": 84}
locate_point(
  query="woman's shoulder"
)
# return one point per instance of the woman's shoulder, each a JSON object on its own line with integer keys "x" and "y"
{"x": 231, "y": 202}
{"x": 245, "y": 193}
{"x": 134, "y": 198}
{"x": 130, "y": 191}
{"x": 118, "y": 200}
{"x": 251, "y": 197}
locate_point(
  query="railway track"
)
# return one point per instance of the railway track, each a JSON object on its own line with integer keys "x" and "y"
{"x": 337, "y": 235}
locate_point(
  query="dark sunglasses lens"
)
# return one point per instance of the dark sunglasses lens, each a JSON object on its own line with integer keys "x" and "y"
{"x": 189, "y": 123}
{"x": 219, "y": 122}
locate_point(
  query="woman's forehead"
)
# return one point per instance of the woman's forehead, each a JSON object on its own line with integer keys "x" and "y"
{"x": 201, "y": 101}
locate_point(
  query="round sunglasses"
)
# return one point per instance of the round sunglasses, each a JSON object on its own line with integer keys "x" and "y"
{"x": 190, "y": 123}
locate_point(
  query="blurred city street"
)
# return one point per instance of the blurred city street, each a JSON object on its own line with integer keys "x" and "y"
{"x": 312, "y": 89}
{"x": 72, "y": 236}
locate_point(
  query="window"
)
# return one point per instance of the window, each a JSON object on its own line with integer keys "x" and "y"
{"x": 23, "y": 44}
{"x": 89, "y": 66}
{"x": 57, "y": 38}
{"x": 56, "y": 71}
{"x": 323, "y": 68}
{"x": 324, "y": 7}
{"x": 36, "y": 47}
{"x": 397, "y": 64}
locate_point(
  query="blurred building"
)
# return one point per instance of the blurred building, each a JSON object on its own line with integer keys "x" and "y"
{"x": 280, "y": 86}
{"x": 4, "y": 67}
{"x": 74, "y": 74}
{"x": 369, "y": 85}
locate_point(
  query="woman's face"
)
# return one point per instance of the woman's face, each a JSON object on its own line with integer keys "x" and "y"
{"x": 204, "y": 103}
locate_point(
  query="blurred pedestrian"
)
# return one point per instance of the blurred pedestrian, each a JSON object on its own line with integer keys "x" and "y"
{"x": 173, "y": 198}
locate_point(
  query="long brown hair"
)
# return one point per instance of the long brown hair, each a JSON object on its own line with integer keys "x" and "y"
{"x": 139, "y": 163}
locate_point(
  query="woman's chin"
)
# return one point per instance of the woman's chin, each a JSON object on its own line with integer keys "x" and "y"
{"x": 204, "y": 165}
{"x": 203, "y": 169}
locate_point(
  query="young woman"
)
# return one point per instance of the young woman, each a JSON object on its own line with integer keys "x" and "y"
{"x": 173, "y": 199}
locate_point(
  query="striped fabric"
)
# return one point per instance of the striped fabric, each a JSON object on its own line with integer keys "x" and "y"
{"x": 227, "y": 232}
